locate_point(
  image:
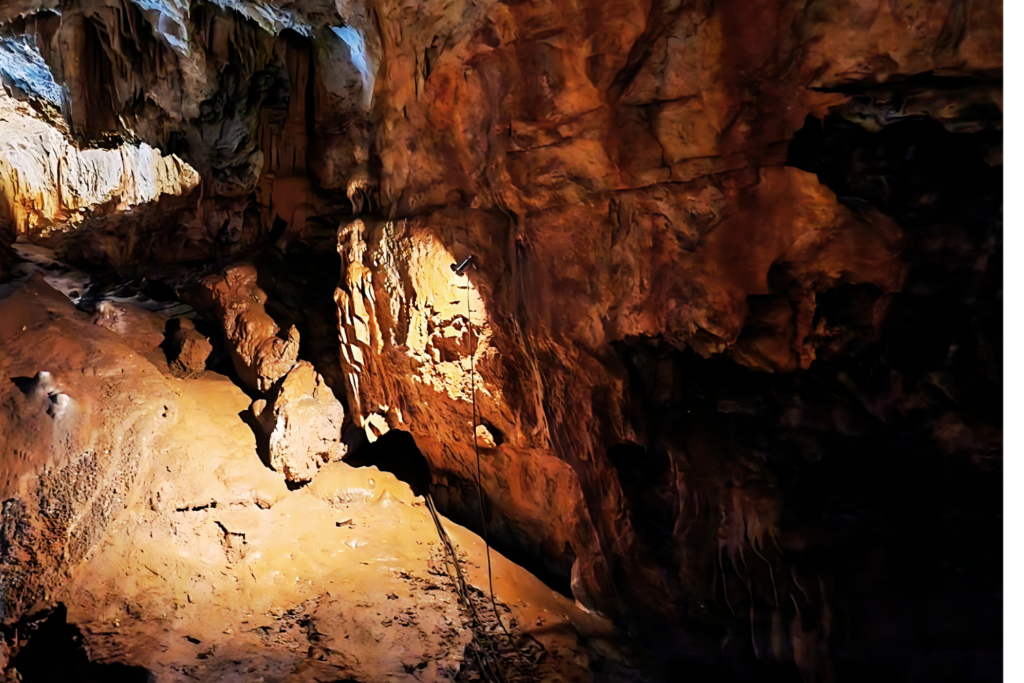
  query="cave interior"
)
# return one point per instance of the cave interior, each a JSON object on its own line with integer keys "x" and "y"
{"x": 718, "y": 395}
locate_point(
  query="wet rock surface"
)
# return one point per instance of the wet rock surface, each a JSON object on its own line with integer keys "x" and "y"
{"x": 262, "y": 353}
{"x": 730, "y": 348}
{"x": 302, "y": 424}
{"x": 189, "y": 350}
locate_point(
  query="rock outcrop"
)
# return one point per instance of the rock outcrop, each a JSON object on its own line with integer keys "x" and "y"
{"x": 261, "y": 352}
{"x": 50, "y": 185}
{"x": 302, "y": 425}
{"x": 189, "y": 350}
{"x": 620, "y": 175}
{"x": 547, "y": 376}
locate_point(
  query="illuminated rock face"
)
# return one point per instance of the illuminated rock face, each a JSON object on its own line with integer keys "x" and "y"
{"x": 261, "y": 352}
{"x": 302, "y": 424}
{"x": 47, "y": 185}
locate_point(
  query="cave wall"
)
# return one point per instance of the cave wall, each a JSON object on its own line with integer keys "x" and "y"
{"x": 647, "y": 187}
{"x": 267, "y": 106}
{"x": 619, "y": 173}
{"x": 48, "y": 185}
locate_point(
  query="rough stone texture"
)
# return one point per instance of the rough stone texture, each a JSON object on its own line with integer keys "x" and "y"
{"x": 260, "y": 353}
{"x": 68, "y": 466}
{"x": 189, "y": 350}
{"x": 48, "y": 184}
{"x": 24, "y": 74}
{"x": 143, "y": 517}
{"x": 223, "y": 85}
{"x": 303, "y": 424}
{"x": 547, "y": 377}
{"x": 618, "y": 172}
{"x": 711, "y": 355}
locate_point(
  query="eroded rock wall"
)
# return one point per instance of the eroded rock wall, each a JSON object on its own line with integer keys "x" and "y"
{"x": 627, "y": 177}
{"x": 48, "y": 185}
{"x": 619, "y": 175}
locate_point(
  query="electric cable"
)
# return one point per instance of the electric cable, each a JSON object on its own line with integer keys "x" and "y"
{"x": 491, "y": 671}
{"x": 476, "y": 448}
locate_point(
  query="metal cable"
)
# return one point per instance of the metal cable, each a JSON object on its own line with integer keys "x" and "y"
{"x": 491, "y": 671}
{"x": 476, "y": 447}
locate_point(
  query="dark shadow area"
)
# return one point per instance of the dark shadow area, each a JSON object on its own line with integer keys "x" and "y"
{"x": 879, "y": 468}
{"x": 891, "y": 518}
{"x": 277, "y": 230}
{"x": 25, "y": 384}
{"x": 55, "y": 652}
{"x": 262, "y": 441}
{"x": 396, "y": 452}
{"x": 300, "y": 288}
{"x": 646, "y": 478}
{"x": 912, "y": 169}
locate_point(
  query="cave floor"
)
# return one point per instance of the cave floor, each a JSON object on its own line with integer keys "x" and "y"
{"x": 215, "y": 570}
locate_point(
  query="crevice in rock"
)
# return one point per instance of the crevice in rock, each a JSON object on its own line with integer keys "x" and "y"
{"x": 647, "y": 481}
{"x": 912, "y": 169}
{"x": 49, "y": 649}
{"x": 300, "y": 288}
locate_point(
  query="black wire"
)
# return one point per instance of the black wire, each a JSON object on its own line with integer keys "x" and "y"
{"x": 490, "y": 670}
{"x": 476, "y": 447}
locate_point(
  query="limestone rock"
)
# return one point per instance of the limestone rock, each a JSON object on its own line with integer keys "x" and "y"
{"x": 261, "y": 352}
{"x": 64, "y": 474}
{"x": 302, "y": 423}
{"x": 189, "y": 350}
{"x": 48, "y": 184}
{"x": 484, "y": 437}
{"x": 375, "y": 426}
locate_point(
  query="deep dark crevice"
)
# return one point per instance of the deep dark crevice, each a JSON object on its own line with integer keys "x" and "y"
{"x": 913, "y": 170}
{"x": 300, "y": 288}
{"x": 920, "y": 81}
{"x": 646, "y": 479}
{"x": 56, "y": 652}
{"x": 884, "y": 457}
{"x": 277, "y": 230}
{"x": 396, "y": 452}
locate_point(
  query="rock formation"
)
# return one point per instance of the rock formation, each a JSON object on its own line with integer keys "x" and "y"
{"x": 189, "y": 350}
{"x": 302, "y": 424}
{"x": 261, "y": 352}
{"x": 50, "y": 185}
{"x": 731, "y": 349}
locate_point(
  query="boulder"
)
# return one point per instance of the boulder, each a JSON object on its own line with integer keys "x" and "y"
{"x": 302, "y": 424}
{"x": 189, "y": 350}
